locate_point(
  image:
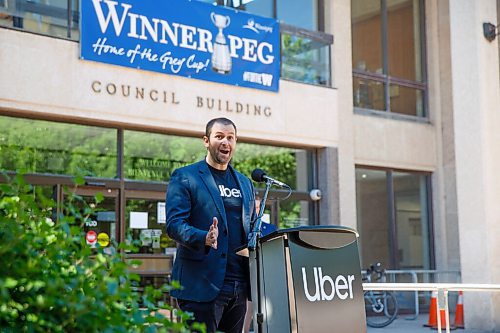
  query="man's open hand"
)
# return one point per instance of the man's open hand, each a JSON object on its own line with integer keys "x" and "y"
{"x": 213, "y": 233}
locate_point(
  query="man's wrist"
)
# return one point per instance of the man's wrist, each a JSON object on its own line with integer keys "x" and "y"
{"x": 207, "y": 241}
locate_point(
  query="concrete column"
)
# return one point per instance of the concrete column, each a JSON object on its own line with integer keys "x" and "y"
{"x": 475, "y": 92}
{"x": 446, "y": 236}
{"x": 338, "y": 22}
{"x": 329, "y": 186}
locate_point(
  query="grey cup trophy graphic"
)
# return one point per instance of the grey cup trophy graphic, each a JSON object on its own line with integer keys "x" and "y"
{"x": 221, "y": 57}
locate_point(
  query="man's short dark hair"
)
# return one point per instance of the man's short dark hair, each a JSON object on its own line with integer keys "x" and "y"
{"x": 223, "y": 121}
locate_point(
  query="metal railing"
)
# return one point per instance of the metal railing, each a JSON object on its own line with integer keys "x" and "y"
{"x": 427, "y": 275}
{"x": 441, "y": 288}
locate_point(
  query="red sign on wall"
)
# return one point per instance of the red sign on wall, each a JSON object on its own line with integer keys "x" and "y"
{"x": 91, "y": 237}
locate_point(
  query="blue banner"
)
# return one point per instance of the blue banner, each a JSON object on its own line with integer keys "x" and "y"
{"x": 188, "y": 38}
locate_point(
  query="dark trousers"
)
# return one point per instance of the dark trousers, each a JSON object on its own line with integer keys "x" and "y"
{"x": 226, "y": 313}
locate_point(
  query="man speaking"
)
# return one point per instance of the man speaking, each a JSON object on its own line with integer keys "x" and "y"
{"x": 209, "y": 208}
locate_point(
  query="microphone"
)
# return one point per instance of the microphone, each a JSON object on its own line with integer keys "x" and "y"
{"x": 258, "y": 175}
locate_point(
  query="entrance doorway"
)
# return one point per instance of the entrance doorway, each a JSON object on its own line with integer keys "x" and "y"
{"x": 97, "y": 207}
{"x": 145, "y": 227}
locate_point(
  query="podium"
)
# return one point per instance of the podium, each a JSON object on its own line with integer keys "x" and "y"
{"x": 307, "y": 279}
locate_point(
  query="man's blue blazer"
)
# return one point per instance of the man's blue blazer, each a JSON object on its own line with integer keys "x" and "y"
{"x": 193, "y": 199}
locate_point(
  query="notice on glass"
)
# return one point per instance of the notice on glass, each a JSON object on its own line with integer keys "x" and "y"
{"x": 161, "y": 213}
{"x": 155, "y": 238}
{"x": 138, "y": 220}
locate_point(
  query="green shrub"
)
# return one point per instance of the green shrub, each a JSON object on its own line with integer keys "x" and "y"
{"x": 51, "y": 281}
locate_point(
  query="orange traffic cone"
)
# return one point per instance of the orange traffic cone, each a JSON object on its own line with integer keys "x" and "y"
{"x": 432, "y": 310}
{"x": 459, "y": 311}
{"x": 442, "y": 314}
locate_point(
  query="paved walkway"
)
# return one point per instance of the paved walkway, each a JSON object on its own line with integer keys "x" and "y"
{"x": 401, "y": 325}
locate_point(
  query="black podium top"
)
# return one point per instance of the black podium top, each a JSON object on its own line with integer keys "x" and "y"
{"x": 321, "y": 236}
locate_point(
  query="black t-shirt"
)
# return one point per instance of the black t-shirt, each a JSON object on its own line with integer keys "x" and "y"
{"x": 231, "y": 196}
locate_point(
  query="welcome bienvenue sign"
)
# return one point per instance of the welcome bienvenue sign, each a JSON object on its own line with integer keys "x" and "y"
{"x": 188, "y": 38}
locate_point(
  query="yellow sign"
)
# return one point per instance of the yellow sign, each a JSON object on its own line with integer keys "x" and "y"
{"x": 103, "y": 239}
{"x": 164, "y": 241}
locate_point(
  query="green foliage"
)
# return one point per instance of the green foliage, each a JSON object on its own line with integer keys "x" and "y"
{"x": 51, "y": 281}
{"x": 51, "y": 147}
{"x": 289, "y": 214}
{"x": 37, "y": 146}
{"x": 157, "y": 161}
{"x": 278, "y": 162}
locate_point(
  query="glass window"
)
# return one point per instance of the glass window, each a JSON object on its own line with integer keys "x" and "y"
{"x": 293, "y": 214}
{"x": 387, "y": 50}
{"x": 285, "y": 164}
{"x": 289, "y": 213}
{"x": 299, "y": 13}
{"x": 304, "y": 59}
{"x": 286, "y": 10}
{"x": 153, "y": 157}
{"x": 74, "y": 21}
{"x": 406, "y": 100}
{"x": 37, "y": 146}
{"x": 372, "y": 215}
{"x": 404, "y": 40}
{"x": 410, "y": 204}
{"x": 366, "y": 36}
{"x": 369, "y": 94}
{"x": 260, "y": 7}
{"x": 150, "y": 156}
{"x": 43, "y": 17}
{"x": 393, "y": 218}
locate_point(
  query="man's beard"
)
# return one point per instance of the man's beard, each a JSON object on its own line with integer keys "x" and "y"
{"x": 218, "y": 157}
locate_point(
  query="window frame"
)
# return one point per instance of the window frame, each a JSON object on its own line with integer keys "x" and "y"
{"x": 387, "y": 80}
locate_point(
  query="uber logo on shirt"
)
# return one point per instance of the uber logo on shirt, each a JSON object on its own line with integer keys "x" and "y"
{"x": 229, "y": 192}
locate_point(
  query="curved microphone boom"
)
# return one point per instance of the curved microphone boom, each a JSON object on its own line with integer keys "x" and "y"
{"x": 258, "y": 175}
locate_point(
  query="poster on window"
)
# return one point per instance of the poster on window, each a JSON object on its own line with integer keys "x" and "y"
{"x": 160, "y": 209}
{"x": 187, "y": 38}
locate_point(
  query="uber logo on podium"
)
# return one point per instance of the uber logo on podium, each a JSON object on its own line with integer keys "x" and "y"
{"x": 327, "y": 288}
{"x": 342, "y": 287}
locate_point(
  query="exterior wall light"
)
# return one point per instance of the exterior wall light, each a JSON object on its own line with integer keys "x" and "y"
{"x": 490, "y": 31}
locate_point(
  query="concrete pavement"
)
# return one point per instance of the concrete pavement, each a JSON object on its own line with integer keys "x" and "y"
{"x": 402, "y": 325}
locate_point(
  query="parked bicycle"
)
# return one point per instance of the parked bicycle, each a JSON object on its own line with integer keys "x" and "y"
{"x": 381, "y": 307}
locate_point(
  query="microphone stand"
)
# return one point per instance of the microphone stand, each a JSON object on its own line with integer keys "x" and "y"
{"x": 253, "y": 249}
{"x": 255, "y": 234}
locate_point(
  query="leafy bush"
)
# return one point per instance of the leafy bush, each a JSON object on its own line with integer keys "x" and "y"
{"x": 52, "y": 281}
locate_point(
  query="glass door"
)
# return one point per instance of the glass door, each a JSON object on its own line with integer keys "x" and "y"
{"x": 98, "y": 207}
{"x": 145, "y": 229}
{"x": 145, "y": 222}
